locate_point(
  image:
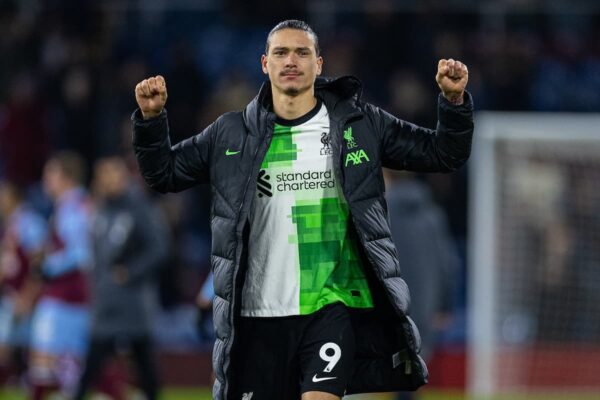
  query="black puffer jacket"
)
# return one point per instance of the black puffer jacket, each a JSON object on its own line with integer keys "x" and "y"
{"x": 387, "y": 340}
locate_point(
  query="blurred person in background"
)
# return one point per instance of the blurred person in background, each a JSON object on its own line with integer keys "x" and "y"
{"x": 130, "y": 245}
{"x": 204, "y": 303}
{"x": 23, "y": 234}
{"x": 345, "y": 327}
{"x": 429, "y": 260}
{"x": 60, "y": 320}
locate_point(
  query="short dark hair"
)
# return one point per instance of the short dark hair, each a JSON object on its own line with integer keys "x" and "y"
{"x": 294, "y": 24}
{"x": 71, "y": 164}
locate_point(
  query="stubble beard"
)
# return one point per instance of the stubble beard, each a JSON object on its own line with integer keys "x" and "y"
{"x": 292, "y": 92}
{"x": 295, "y": 91}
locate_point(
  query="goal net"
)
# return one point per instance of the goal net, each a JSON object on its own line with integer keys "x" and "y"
{"x": 534, "y": 251}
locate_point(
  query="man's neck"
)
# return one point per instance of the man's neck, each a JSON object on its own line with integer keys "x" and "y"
{"x": 292, "y": 107}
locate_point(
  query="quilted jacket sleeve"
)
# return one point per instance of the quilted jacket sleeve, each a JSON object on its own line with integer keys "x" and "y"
{"x": 411, "y": 147}
{"x": 169, "y": 168}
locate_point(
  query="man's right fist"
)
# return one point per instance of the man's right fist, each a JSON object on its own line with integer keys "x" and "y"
{"x": 151, "y": 96}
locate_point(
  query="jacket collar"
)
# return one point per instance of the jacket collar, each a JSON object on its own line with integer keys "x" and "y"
{"x": 340, "y": 95}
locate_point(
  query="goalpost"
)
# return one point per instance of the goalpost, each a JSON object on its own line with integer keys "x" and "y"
{"x": 534, "y": 254}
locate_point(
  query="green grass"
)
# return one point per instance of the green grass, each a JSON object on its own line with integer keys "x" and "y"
{"x": 187, "y": 394}
{"x": 438, "y": 395}
{"x": 169, "y": 394}
{"x": 205, "y": 394}
{"x": 547, "y": 396}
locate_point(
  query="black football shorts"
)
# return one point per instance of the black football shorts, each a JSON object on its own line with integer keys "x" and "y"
{"x": 281, "y": 358}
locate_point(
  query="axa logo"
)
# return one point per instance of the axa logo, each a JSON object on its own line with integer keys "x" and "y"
{"x": 263, "y": 185}
{"x": 356, "y": 157}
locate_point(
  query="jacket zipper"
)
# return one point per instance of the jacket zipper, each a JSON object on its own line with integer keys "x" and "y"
{"x": 238, "y": 259}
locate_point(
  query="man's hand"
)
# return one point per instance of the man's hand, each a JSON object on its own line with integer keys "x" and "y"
{"x": 452, "y": 77}
{"x": 151, "y": 96}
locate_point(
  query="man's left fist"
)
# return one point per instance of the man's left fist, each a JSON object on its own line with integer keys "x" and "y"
{"x": 452, "y": 77}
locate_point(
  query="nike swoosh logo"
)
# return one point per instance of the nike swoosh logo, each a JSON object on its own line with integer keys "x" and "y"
{"x": 231, "y": 153}
{"x": 315, "y": 379}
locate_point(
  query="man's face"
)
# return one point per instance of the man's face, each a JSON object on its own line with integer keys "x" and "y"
{"x": 53, "y": 179}
{"x": 110, "y": 178}
{"x": 292, "y": 63}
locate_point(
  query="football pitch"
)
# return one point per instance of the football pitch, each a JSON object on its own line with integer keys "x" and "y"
{"x": 205, "y": 394}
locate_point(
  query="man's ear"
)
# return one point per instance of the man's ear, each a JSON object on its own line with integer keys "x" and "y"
{"x": 263, "y": 63}
{"x": 319, "y": 65}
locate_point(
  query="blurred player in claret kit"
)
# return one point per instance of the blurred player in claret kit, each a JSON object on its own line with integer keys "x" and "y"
{"x": 309, "y": 300}
{"x": 60, "y": 319}
{"x": 22, "y": 239}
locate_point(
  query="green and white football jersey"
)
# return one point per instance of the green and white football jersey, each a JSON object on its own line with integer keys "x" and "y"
{"x": 301, "y": 255}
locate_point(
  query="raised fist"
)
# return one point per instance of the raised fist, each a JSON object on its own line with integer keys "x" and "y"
{"x": 452, "y": 77}
{"x": 151, "y": 96}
